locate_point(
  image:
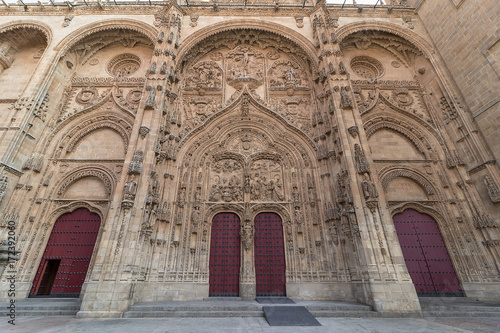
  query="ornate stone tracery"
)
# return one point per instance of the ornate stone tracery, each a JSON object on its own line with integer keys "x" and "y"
{"x": 252, "y": 120}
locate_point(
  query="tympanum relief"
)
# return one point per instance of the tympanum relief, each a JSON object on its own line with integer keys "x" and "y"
{"x": 219, "y": 69}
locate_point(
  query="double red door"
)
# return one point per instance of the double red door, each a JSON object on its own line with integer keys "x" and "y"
{"x": 269, "y": 255}
{"x": 225, "y": 256}
{"x": 426, "y": 257}
{"x": 67, "y": 255}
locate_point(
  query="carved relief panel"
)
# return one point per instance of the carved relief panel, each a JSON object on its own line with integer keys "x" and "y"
{"x": 226, "y": 181}
{"x": 216, "y": 71}
{"x": 266, "y": 181}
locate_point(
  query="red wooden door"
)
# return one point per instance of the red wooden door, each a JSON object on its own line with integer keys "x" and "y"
{"x": 426, "y": 257}
{"x": 71, "y": 242}
{"x": 269, "y": 255}
{"x": 225, "y": 256}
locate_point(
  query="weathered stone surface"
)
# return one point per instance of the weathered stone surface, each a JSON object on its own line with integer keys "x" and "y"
{"x": 157, "y": 118}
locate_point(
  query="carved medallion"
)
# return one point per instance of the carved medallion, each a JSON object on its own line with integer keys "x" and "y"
{"x": 123, "y": 65}
{"x": 402, "y": 96}
{"x": 87, "y": 95}
{"x": 367, "y": 67}
{"x": 134, "y": 96}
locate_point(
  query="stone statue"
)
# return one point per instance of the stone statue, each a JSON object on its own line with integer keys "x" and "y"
{"x": 130, "y": 189}
{"x": 369, "y": 190}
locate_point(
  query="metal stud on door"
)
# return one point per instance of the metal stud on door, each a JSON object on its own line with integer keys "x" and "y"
{"x": 269, "y": 255}
{"x": 68, "y": 253}
{"x": 224, "y": 264}
{"x": 426, "y": 257}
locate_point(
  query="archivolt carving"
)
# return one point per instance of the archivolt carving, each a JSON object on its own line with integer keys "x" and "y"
{"x": 386, "y": 175}
{"x": 127, "y": 24}
{"x": 71, "y": 207}
{"x": 292, "y": 37}
{"x": 105, "y": 176}
{"x": 374, "y": 125}
{"x": 420, "y": 207}
{"x": 29, "y": 24}
{"x": 223, "y": 208}
{"x": 271, "y": 208}
{"x": 78, "y": 136}
{"x": 122, "y": 125}
{"x": 367, "y": 25}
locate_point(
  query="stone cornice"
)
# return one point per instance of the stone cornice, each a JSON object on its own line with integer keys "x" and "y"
{"x": 204, "y": 8}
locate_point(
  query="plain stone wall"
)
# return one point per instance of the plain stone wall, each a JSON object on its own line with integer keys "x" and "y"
{"x": 466, "y": 34}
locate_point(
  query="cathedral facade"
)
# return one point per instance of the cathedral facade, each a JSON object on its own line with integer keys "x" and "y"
{"x": 163, "y": 151}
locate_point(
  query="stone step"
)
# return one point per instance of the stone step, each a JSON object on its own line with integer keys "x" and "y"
{"x": 192, "y": 314}
{"x": 51, "y": 300}
{"x": 464, "y": 308}
{"x": 235, "y": 308}
{"x": 345, "y": 314}
{"x": 466, "y": 314}
{"x": 46, "y": 306}
{"x": 192, "y": 308}
{"x": 45, "y": 313}
{"x": 333, "y": 308}
{"x": 23, "y": 307}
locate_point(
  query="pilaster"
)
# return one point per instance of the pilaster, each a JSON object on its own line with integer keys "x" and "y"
{"x": 379, "y": 275}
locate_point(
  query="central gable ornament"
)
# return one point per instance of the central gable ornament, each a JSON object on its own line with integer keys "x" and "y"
{"x": 245, "y": 66}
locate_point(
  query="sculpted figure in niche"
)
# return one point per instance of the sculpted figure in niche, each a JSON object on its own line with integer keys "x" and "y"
{"x": 361, "y": 162}
{"x": 130, "y": 189}
{"x": 369, "y": 190}
{"x": 247, "y": 235}
{"x": 258, "y": 187}
{"x": 299, "y": 218}
{"x": 196, "y": 216}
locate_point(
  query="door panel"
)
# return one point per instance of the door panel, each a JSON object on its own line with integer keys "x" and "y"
{"x": 269, "y": 255}
{"x": 225, "y": 256}
{"x": 426, "y": 257}
{"x": 71, "y": 242}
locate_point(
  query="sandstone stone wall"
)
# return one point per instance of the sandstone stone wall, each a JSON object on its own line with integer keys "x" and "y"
{"x": 159, "y": 117}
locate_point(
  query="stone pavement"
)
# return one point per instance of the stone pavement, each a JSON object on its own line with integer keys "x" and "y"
{"x": 246, "y": 325}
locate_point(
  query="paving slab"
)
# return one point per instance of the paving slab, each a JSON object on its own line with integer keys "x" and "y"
{"x": 246, "y": 325}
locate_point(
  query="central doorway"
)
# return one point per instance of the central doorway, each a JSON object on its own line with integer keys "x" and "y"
{"x": 269, "y": 255}
{"x": 66, "y": 258}
{"x": 224, "y": 264}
